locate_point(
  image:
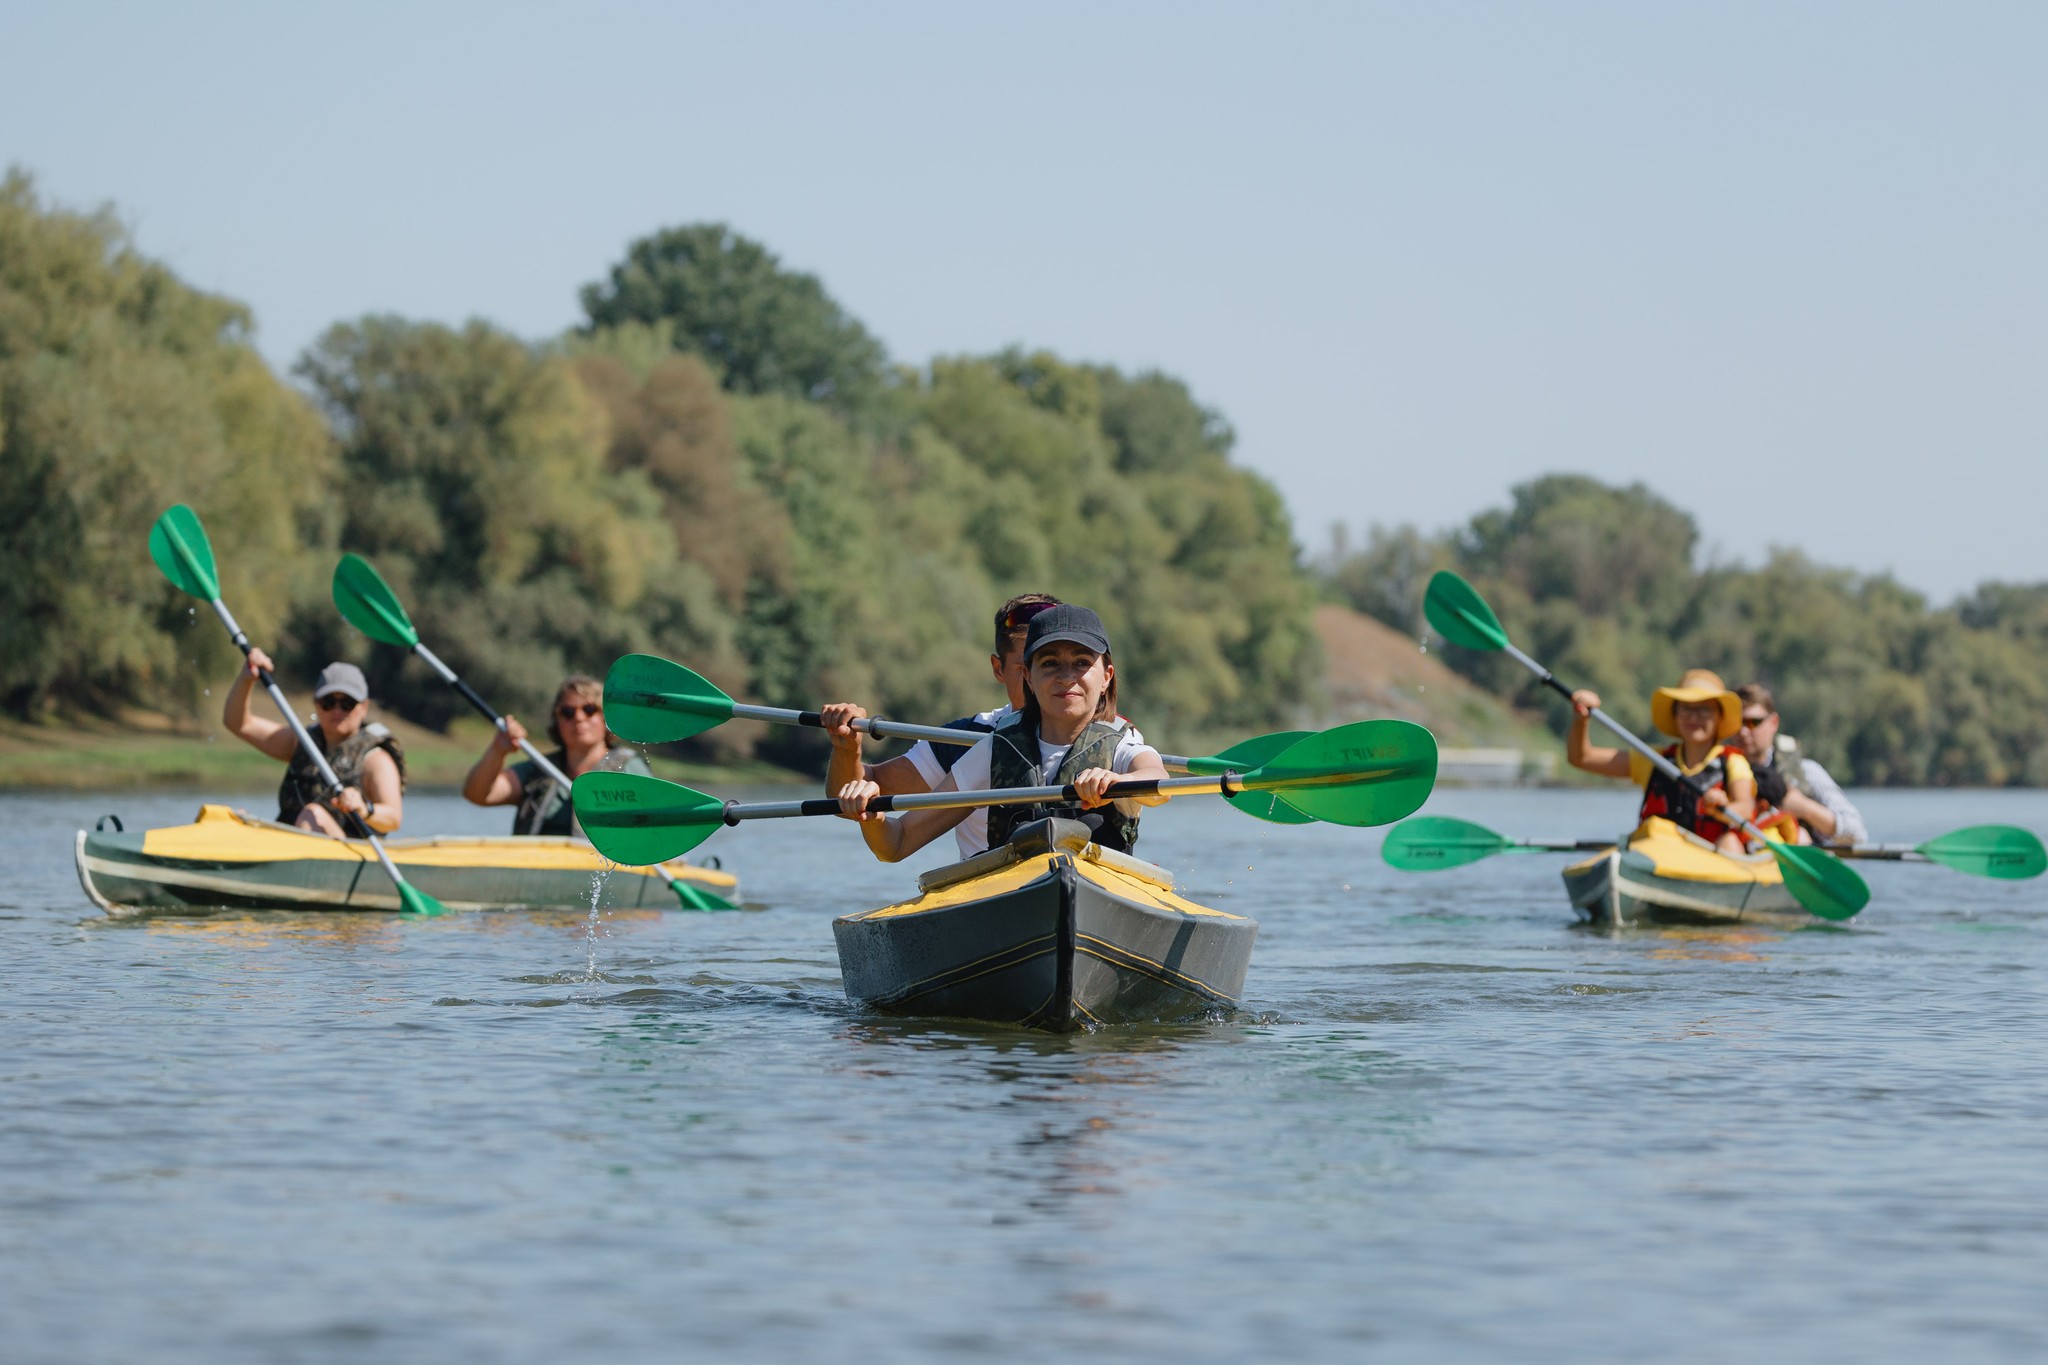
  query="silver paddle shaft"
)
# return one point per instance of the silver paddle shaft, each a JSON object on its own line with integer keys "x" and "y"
{"x": 448, "y": 675}
{"x": 876, "y": 727}
{"x": 1227, "y": 784}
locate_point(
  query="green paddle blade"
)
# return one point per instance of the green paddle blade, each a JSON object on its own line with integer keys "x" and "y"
{"x": 639, "y": 820}
{"x": 652, "y": 701}
{"x": 369, "y": 605}
{"x": 1430, "y": 843}
{"x": 413, "y": 901}
{"x": 2005, "y": 852}
{"x": 178, "y": 545}
{"x": 1238, "y": 758}
{"x": 1460, "y": 614}
{"x": 697, "y": 898}
{"x": 1371, "y": 772}
{"x": 1819, "y": 881}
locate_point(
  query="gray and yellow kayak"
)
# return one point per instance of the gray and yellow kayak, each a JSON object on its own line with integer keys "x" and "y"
{"x": 1662, "y": 874}
{"x": 1048, "y": 932}
{"x": 227, "y": 859}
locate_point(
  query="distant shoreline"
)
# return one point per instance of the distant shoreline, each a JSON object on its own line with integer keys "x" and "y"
{"x": 147, "y": 752}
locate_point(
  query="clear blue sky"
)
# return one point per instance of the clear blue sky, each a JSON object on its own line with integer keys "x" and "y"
{"x": 1786, "y": 263}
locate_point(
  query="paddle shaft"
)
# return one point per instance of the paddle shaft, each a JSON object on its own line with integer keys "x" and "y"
{"x": 1891, "y": 853}
{"x": 1225, "y": 784}
{"x": 470, "y": 695}
{"x": 306, "y": 745}
{"x": 877, "y": 727}
{"x": 1657, "y": 760}
{"x": 540, "y": 760}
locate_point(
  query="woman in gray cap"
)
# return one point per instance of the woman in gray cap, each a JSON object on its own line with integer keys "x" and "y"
{"x": 363, "y": 754}
{"x": 1066, "y": 734}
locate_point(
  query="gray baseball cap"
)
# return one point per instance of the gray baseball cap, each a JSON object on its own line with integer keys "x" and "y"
{"x": 346, "y": 679}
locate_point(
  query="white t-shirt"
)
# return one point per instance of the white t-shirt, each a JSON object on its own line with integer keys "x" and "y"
{"x": 971, "y": 774}
{"x": 933, "y": 766}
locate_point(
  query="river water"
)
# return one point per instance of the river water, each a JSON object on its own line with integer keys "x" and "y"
{"x": 1448, "y": 1125}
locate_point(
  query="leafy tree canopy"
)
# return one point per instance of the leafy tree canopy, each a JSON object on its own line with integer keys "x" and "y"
{"x": 727, "y": 298}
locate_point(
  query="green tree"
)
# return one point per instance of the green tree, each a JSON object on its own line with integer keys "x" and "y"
{"x": 123, "y": 390}
{"x": 480, "y": 482}
{"x": 727, "y": 298}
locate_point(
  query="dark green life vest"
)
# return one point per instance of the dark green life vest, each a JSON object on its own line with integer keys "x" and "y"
{"x": 302, "y": 785}
{"x": 1014, "y": 762}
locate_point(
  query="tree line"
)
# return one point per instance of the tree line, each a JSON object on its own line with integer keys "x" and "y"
{"x": 723, "y": 466}
{"x": 719, "y": 465}
{"x": 1601, "y": 584}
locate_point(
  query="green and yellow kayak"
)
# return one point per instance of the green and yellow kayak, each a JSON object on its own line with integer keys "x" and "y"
{"x": 1049, "y": 932}
{"x": 229, "y": 859}
{"x": 1662, "y": 874}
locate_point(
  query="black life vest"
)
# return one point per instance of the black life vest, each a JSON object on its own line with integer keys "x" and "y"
{"x": 544, "y": 807}
{"x": 1677, "y": 799}
{"x": 1014, "y": 762}
{"x": 302, "y": 784}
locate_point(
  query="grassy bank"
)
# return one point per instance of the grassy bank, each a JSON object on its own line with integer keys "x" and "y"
{"x": 145, "y": 749}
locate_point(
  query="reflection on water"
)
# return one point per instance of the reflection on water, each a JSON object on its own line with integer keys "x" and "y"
{"x": 1447, "y": 1124}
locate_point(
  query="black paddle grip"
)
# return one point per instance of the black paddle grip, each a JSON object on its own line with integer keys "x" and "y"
{"x": 814, "y": 719}
{"x": 469, "y": 695}
{"x": 825, "y": 805}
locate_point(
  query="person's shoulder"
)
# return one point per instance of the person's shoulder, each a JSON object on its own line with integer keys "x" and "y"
{"x": 988, "y": 720}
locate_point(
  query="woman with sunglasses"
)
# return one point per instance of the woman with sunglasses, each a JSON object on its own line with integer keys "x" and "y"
{"x": 364, "y": 755}
{"x": 582, "y": 744}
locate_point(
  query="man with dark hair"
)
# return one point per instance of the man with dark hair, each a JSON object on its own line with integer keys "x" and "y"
{"x": 1789, "y": 780}
{"x": 926, "y": 764}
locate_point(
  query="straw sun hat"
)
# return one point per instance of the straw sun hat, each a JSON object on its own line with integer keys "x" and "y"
{"x": 1698, "y": 685}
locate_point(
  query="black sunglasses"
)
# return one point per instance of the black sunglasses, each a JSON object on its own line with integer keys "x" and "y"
{"x": 1752, "y": 722}
{"x": 1019, "y": 616}
{"x": 337, "y": 701}
{"x": 589, "y": 708}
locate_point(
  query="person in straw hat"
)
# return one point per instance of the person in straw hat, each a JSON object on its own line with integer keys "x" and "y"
{"x": 1719, "y": 788}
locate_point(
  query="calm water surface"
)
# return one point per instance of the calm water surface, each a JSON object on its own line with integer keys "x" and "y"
{"x": 1448, "y": 1125}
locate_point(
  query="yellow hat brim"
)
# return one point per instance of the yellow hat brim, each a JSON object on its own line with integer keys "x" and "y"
{"x": 1666, "y": 700}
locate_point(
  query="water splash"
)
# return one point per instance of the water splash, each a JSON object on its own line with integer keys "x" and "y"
{"x": 594, "y": 927}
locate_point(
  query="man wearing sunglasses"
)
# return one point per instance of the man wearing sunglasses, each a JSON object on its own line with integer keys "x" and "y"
{"x": 925, "y": 765}
{"x": 364, "y": 755}
{"x": 1789, "y": 780}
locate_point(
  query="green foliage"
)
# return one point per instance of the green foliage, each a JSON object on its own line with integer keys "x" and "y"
{"x": 719, "y": 468}
{"x": 121, "y": 392}
{"x": 1599, "y": 584}
{"x": 727, "y": 298}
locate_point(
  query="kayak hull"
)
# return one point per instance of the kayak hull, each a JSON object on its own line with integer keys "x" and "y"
{"x": 1049, "y": 933}
{"x": 229, "y": 860}
{"x": 1660, "y": 875}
